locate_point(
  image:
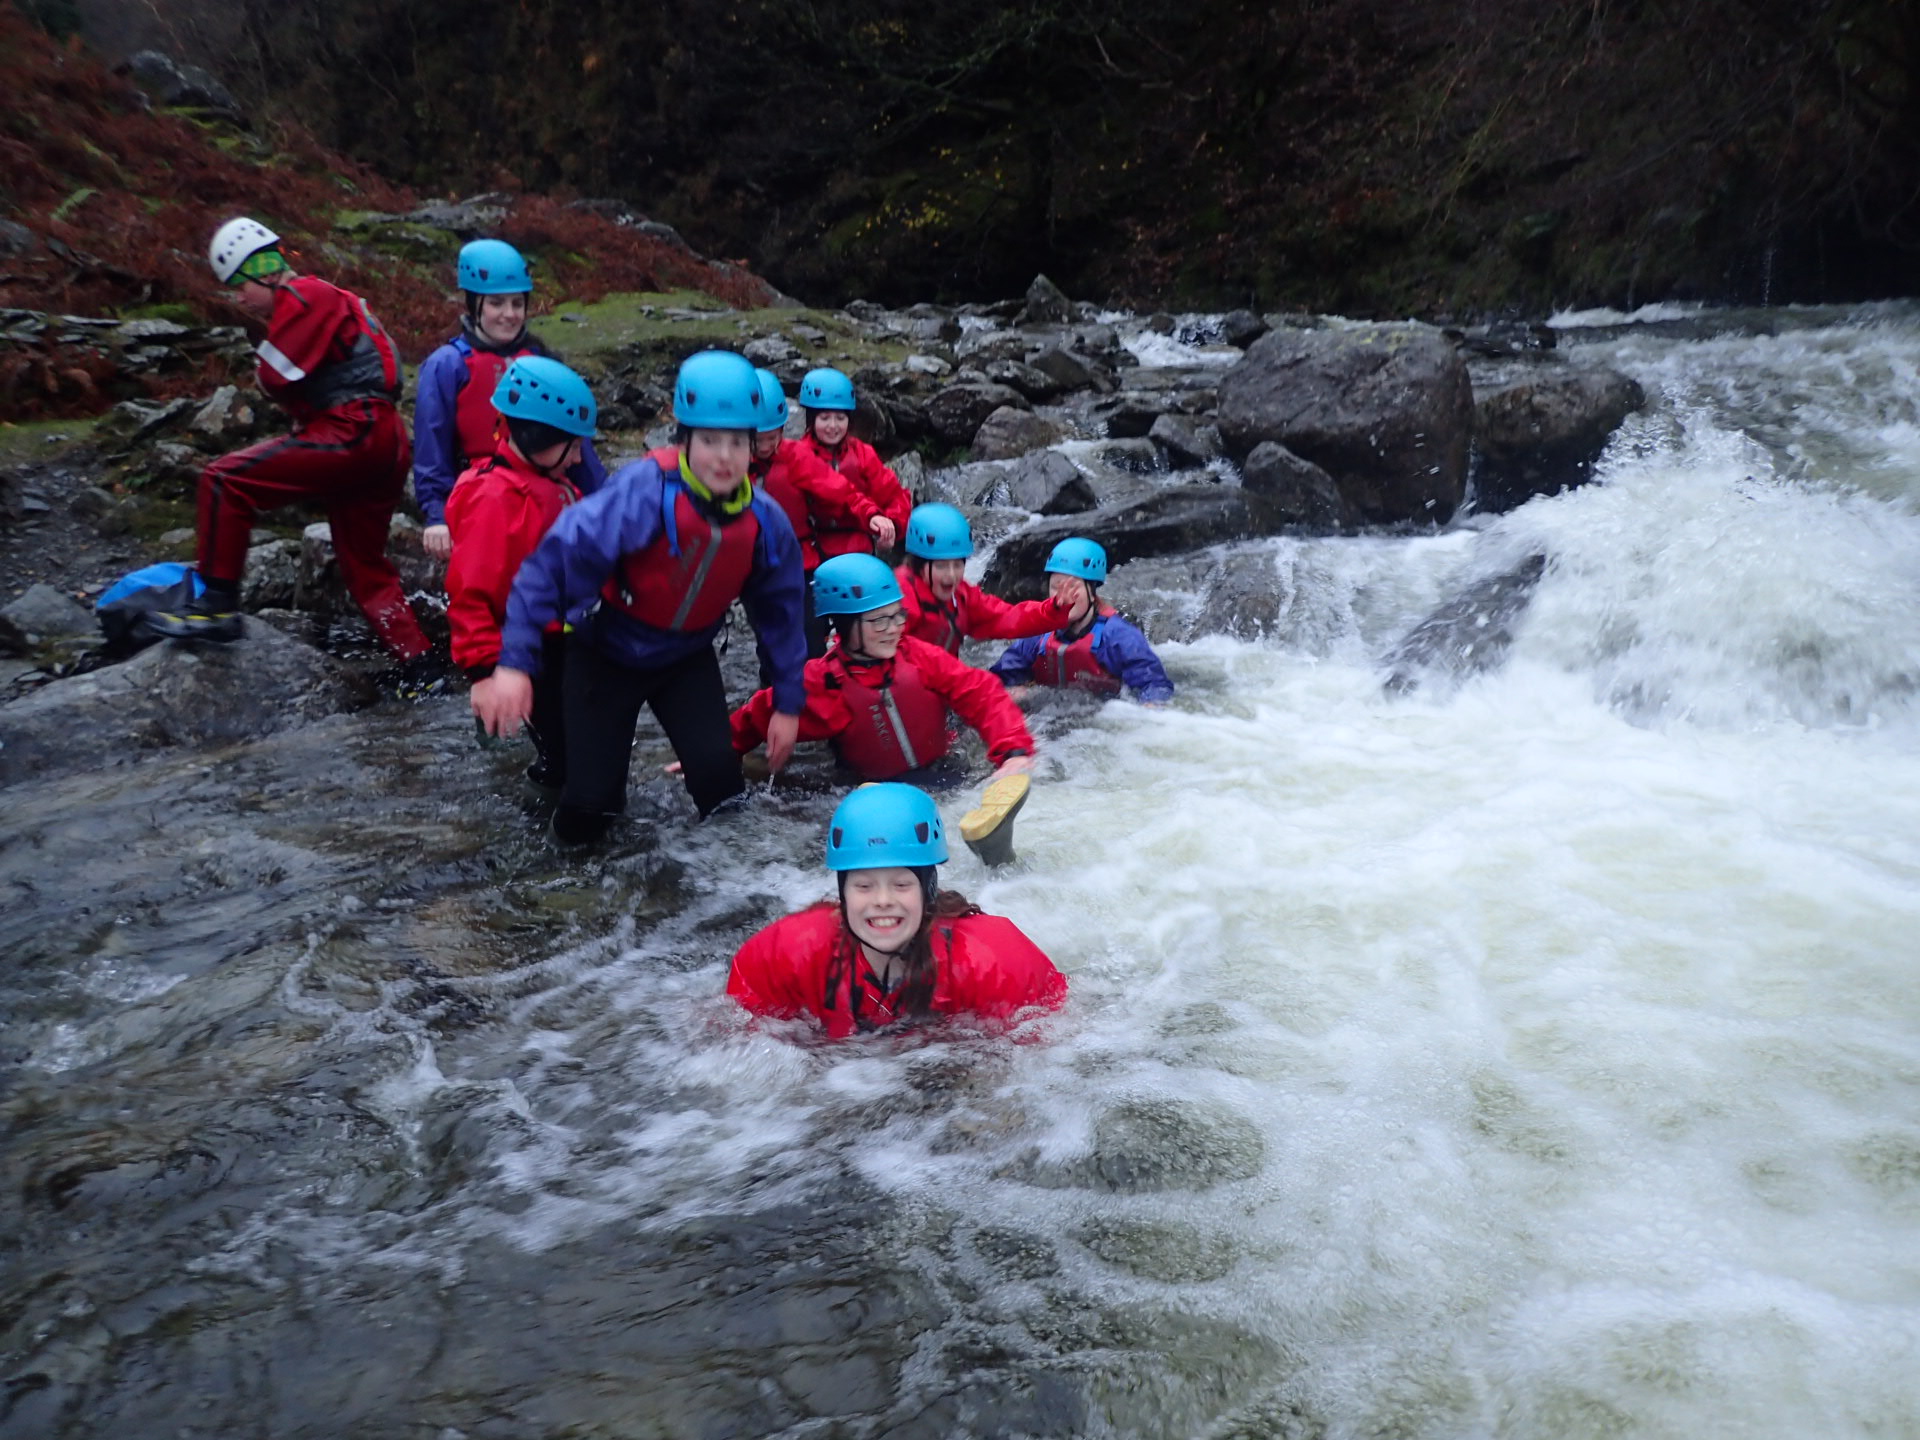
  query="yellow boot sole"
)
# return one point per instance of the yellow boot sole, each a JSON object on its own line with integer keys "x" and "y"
{"x": 988, "y": 828}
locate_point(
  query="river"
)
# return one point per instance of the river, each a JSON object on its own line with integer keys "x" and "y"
{"x": 1533, "y": 1055}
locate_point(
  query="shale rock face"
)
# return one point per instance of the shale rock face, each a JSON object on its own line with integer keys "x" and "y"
{"x": 172, "y": 695}
{"x": 1386, "y": 410}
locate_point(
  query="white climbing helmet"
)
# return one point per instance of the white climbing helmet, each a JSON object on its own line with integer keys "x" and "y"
{"x": 233, "y": 242}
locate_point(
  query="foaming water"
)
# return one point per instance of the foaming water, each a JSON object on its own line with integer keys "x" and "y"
{"x": 1532, "y": 1056}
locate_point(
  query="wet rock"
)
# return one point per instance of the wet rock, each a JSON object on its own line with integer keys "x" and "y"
{"x": 273, "y": 576}
{"x": 1296, "y": 488}
{"x": 956, "y": 413}
{"x": 1187, "y": 443}
{"x": 1132, "y": 416}
{"x": 1240, "y": 328}
{"x": 1047, "y": 304}
{"x": 930, "y": 365}
{"x": 17, "y": 239}
{"x": 1070, "y": 371}
{"x": 91, "y": 501}
{"x": 133, "y": 421}
{"x": 172, "y": 695}
{"x": 1161, "y": 323}
{"x": 1132, "y": 457}
{"x": 1008, "y": 433}
{"x": 1172, "y": 1253}
{"x": 1172, "y": 521}
{"x": 1543, "y": 433}
{"x": 1470, "y": 633}
{"x": 1049, "y": 484}
{"x": 45, "y": 613}
{"x": 1386, "y": 410}
{"x": 1029, "y": 380}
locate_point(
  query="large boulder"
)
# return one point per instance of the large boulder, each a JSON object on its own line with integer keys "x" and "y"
{"x": 1543, "y": 433}
{"x": 1173, "y": 521}
{"x": 173, "y": 695}
{"x": 1386, "y": 410}
{"x": 1009, "y": 433}
{"x": 957, "y": 412}
{"x": 1296, "y": 488}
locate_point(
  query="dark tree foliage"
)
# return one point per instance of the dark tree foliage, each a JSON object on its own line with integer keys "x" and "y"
{"x": 1374, "y": 155}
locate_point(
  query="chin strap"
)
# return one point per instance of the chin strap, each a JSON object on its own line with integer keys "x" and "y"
{"x": 734, "y": 504}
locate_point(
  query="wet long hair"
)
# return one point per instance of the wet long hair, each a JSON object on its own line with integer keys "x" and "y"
{"x": 914, "y": 995}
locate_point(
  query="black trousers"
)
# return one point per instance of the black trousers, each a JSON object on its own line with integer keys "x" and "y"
{"x": 602, "y": 704}
{"x": 549, "y": 720}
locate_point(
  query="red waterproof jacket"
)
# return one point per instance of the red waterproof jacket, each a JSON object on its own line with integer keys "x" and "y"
{"x": 862, "y": 730}
{"x": 983, "y": 966}
{"x": 498, "y": 512}
{"x": 838, "y": 530}
{"x": 799, "y": 479}
{"x": 324, "y": 348}
{"x": 972, "y": 614}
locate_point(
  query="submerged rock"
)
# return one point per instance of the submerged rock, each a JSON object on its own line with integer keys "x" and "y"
{"x": 173, "y": 695}
{"x": 1469, "y": 633}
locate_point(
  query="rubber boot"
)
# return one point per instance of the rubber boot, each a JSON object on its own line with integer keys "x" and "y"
{"x": 988, "y": 829}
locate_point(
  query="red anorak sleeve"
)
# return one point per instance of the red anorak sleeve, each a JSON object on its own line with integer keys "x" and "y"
{"x": 823, "y": 716}
{"x": 977, "y": 698}
{"x": 988, "y": 617}
{"x": 876, "y": 478}
{"x": 826, "y": 487}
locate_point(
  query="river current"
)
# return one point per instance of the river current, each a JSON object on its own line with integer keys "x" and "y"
{"x": 1533, "y": 1055}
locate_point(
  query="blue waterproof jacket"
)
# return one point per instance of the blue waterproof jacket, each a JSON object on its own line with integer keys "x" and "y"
{"x": 1117, "y": 644}
{"x": 564, "y": 577}
{"x": 438, "y": 460}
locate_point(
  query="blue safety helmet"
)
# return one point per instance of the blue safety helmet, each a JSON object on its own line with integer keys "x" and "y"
{"x": 826, "y": 389}
{"x": 492, "y": 267}
{"x": 773, "y": 400}
{"x": 1081, "y": 558}
{"x": 536, "y": 387}
{"x": 718, "y": 390}
{"x": 853, "y": 585}
{"x": 939, "y": 532}
{"x": 880, "y": 826}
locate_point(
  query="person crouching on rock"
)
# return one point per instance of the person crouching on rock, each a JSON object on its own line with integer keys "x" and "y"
{"x": 1098, "y": 649}
{"x": 498, "y": 512}
{"x": 455, "y": 424}
{"x": 826, "y": 395}
{"x": 881, "y": 699}
{"x": 643, "y": 570}
{"x": 329, "y": 362}
{"x": 942, "y": 608}
{"x": 895, "y": 948}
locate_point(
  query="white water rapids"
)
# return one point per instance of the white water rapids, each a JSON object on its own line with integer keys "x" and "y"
{"x": 1534, "y": 1058}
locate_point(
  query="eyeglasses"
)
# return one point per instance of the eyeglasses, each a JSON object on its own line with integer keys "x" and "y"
{"x": 897, "y": 620}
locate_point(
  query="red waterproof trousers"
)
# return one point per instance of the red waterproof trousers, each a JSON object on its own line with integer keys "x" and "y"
{"x": 353, "y": 460}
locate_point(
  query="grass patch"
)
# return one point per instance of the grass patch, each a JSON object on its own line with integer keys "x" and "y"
{"x": 26, "y": 441}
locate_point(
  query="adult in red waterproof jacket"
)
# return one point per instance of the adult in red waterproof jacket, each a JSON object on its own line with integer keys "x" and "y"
{"x": 886, "y": 714}
{"x": 895, "y": 947}
{"x": 330, "y": 363}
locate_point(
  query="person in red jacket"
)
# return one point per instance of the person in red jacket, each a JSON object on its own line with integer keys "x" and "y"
{"x": 498, "y": 511}
{"x": 329, "y": 362}
{"x": 882, "y": 698}
{"x": 826, "y": 396}
{"x": 895, "y": 948}
{"x": 942, "y": 608}
{"x": 794, "y": 475}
